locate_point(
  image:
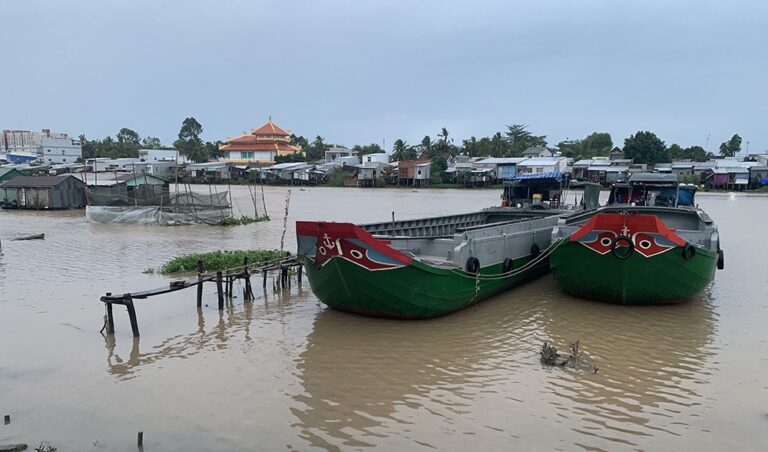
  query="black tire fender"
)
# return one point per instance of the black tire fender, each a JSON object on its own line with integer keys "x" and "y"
{"x": 720, "y": 260}
{"x": 535, "y": 250}
{"x": 507, "y": 266}
{"x": 615, "y": 245}
{"x": 689, "y": 251}
{"x": 473, "y": 265}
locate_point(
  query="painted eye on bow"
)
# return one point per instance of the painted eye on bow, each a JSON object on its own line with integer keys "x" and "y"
{"x": 600, "y": 242}
{"x": 647, "y": 245}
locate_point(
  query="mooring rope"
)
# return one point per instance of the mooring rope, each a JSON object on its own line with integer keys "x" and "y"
{"x": 528, "y": 265}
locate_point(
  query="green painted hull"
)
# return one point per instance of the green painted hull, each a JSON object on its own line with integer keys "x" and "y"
{"x": 661, "y": 279}
{"x": 414, "y": 291}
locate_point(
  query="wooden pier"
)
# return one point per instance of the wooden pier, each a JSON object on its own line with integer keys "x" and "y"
{"x": 224, "y": 280}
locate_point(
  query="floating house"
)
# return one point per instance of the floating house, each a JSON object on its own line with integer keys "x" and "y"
{"x": 210, "y": 171}
{"x": 371, "y": 174}
{"x": 376, "y": 157}
{"x": 45, "y": 192}
{"x": 543, "y": 165}
{"x": 262, "y": 145}
{"x": 414, "y": 173}
{"x": 538, "y": 151}
{"x": 758, "y": 176}
{"x": 502, "y": 168}
{"x": 341, "y": 156}
{"x": 7, "y": 174}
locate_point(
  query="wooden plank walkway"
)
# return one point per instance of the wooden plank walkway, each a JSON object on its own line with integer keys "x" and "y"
{"x": 224, "y": 286}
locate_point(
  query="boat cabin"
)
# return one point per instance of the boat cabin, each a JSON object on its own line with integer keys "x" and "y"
{"x": 536, "y": 190}
{"x": 652, "y": 189}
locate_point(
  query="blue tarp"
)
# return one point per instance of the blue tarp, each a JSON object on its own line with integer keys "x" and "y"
{"x": 539, "y": 176}
{"x": 685, "y": 197}
{"x": 764, "y": 181}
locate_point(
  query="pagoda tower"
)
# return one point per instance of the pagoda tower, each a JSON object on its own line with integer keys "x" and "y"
{"x": 262, "y": 145}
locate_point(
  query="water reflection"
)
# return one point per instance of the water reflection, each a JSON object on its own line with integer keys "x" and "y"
{"x": 651, "y": 361}
{"x": 361, "y": 377}
{"x": 235, "y": 321}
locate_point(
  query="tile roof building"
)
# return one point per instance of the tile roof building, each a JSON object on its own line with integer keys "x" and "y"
{"x": 262, "y": 145}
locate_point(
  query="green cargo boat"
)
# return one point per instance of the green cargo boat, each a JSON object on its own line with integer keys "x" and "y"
{"x": 649, "y": 245}
{"x": 423, "y": 268}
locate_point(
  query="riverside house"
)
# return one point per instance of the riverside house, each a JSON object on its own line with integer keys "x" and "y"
{"x": 45, "y": 192}
{"x": 414, "y": 173}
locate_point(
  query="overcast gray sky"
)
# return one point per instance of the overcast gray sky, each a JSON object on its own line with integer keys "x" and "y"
{"x": 358, "y": 72}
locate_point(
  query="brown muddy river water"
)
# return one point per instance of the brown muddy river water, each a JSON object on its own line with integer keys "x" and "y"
{"x": 287, "y": 373}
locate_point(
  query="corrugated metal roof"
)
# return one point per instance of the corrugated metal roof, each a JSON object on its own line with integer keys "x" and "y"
{"x": 35, "y": 181}
{"x": 536, "y": 176}
{"x": 542, "y": 161}
{"x": 501, "y": 160}
{"x": 652, "y": 177}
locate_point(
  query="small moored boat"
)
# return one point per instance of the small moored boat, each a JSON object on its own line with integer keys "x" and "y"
{"x": 429, "y": 267}
{"x": 650, "y": 245}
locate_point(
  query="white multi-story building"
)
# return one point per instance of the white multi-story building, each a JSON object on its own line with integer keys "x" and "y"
{"x": 47, "y": 146}
{"x": 60, "y": 150}
{"x": 162, "y": 155}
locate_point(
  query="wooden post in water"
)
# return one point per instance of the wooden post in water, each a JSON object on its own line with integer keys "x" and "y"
{"x": 110, "y": 317}
{"x": 264, "y": 275}
{"x": 132, "y": 315}
{"x": 141, "y": 441}
{"x": 299, "y": 274}
{"x": 248, "y": 295}
{"x": 199, "y": 283}
{"x": 220, "y": 290}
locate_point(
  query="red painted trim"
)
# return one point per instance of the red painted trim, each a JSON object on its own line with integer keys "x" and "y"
{"x": 634, "y": 223}
{"x": 349, "y": 231}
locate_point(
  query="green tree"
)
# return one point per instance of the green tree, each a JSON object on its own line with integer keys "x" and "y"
{"x": 425, "y": 147}
{"x": 731, "y": 147}
{"x": 470, "y": 147}
{"x": 127, "y": 136}
{"x": 151, "y": 143}
{"x": 212, "y": 149}
{"x": 439, "y": 165}
{"x": 645, "y": 147}
{"x": 317, "y": 149}
{"x": 597, "y": 144}
{"x": 571, "y": 148}
{"x": 499, "y": 147}
{"x": 303, "y": 145}
{"x": 401, "y": 151}
{"x": 443, "y": 146}
{"x": 520, "y": 139}
{"x": 372, "y": 148}
{"x": 128, "y": 143}
{"x": 676, "y": 152}
{"x": 697, "y": 154}
{"x": 189, "y": 143}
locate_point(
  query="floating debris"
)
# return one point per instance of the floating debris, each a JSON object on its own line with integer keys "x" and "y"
{"x": 30, "y": 237}
{"x": 551, "y": 357}
{"x": 12, "y": 447}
